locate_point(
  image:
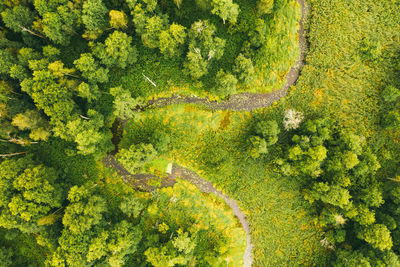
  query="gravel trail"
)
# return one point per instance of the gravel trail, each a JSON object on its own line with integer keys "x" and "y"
{"x": 237, "y": 102}
{"x": 247, "y": 101}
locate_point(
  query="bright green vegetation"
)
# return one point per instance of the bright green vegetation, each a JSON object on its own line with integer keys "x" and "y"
{"x": 340, "y": 151}
{"x": 68, "y": 70}
{"x": 103, "y": 221}
{"x": 351, "y": 74}
{"x": 214, "y": 144}
{"x": 268, "y": 43}
{"x": 317, "y": 173}
{"x": 205, "y": 232}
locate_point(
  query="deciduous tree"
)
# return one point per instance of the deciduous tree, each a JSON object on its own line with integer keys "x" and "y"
{"x": 244, "y": 69}
{"x": 28, "y": 192}
{"x": 135, "y": 158}
{"x": 226, "y": 9}
{"x": 117, "y": 51}
{"x": 171, "y": 41}
{"x": 94, "y": 15}
{"x": 118, "y": 19}
{"x": 90, "y": 69}
{"x": 124, "y": 104}
{"x": 225, "y": 83}
{"x": 377, "y": 235}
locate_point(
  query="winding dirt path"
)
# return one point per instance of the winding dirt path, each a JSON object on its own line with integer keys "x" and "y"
{"x": 141, "y": 182}
{"x": 237, "y": 102}
{"x": 247, "y": 101}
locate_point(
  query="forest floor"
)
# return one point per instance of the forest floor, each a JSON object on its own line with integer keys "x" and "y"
{"x": 237, "y": 102}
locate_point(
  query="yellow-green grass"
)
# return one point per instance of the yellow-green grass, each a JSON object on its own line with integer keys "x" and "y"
{"x": 282, "y": 230}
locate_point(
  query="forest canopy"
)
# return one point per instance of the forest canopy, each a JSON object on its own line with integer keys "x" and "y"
{"x": 148, "y": 133}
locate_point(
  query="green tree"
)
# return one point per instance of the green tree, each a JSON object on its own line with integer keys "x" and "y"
{"x": 350, "y": 258}
{"x": 90, "y": 69}
{"x": 18, "y": 72}
{"x": 226, "y": 9}
{"x": 19, "y": 19}
{"x": 244, "y": 69}
{"x": 225, "y": 83}
{"x": 89, "y": 91}
{"x": 112, "y": 246}
{"x": 139, "y": 18}
{"x": 28, "y": 192}
{"x": 196, "y": 65}
{"x": 118, "y": 50}
{"x": 204, "y": 48}
{"x": 154, "y": 26}
{"x": 377, "y": 235}
{"x": 132, "y": 206}
{"x": 51, "y": 53}
{"x": 49, "y": 95}
{"x": 87, "y": 132}
{"x": 6, "y": 61}
{"x": 391, "y": 120}
{"x": 124, "y": 104}
{"x": 136, "y": 157}
{"x": 27, "y": 54}
{"x": 202, "y": 38}
{"x": 257, "y": 146}
{"x": 94, "y": 15}
{"x": 85, "y": 209}
{"x": 390, "y": 94}
{"x": 257, "y": 34}
{"x": 171, "y": 41}
{"x": 59, "y": 26}
{"x": 268, "y": 130}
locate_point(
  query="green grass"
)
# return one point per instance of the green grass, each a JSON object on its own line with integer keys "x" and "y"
{"x": 283, "y": 232}
{"x": 336, "y": 81}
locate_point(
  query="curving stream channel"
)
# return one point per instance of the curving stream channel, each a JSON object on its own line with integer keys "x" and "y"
{"x": 237, "y": 102}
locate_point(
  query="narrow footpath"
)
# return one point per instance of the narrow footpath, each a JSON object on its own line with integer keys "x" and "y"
{"x": 237, "y": 102}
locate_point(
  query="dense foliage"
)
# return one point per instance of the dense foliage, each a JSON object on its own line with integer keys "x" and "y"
{"x": 317, "y": 174}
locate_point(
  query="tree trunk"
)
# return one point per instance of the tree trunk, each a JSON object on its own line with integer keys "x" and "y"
{"x": 84, "y": 117}
{"x": 31, "y": 32}
{"x": 13, "y": 154}
{"x": 150, "y": 81}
